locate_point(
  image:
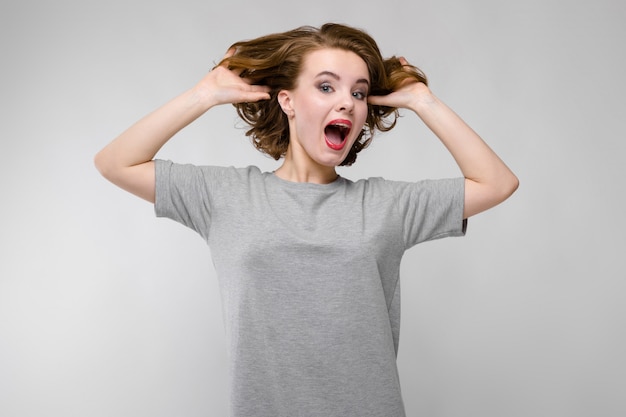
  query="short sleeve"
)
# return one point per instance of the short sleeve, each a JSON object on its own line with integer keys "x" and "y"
{"x": 431, "y": 209}
{"x": 183, "y": 194}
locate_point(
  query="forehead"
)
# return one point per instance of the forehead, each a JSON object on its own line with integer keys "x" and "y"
{"x": 344, "y": 63}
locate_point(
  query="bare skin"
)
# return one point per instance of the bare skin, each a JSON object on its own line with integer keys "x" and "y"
{"x": 488, "y": 181}
{"x": 128, "y": 160}
{"x": 332, "y": 86}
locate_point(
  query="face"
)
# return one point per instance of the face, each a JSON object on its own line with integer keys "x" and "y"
{"x": 328, "y": 107}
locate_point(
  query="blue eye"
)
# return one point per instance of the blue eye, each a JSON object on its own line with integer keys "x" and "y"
{"x": 359, "y": 95}
{"x": 325, "y": 88}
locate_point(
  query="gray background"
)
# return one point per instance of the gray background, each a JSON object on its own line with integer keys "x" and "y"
{"x": 107, "y": 311}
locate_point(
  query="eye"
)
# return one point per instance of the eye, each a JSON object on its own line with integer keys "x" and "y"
{"x": 359, "y": 95}
{"x": 325, "y": 88}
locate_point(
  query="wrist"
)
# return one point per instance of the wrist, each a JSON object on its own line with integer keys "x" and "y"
{"x": 200, "y": 98}
{"x": 424, "y": 99}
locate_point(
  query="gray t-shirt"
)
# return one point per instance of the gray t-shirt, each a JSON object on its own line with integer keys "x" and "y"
{"x": 309, "y": 279}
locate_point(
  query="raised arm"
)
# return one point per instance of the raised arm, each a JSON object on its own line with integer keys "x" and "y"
{"x": 128, "y": 160}
{"x": 488, "y": 181}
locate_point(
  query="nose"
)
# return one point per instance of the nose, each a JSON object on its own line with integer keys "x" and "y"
{"x": 346, "y": 102}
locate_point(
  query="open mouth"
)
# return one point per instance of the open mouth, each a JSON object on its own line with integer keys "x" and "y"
{"x": 336, "y": 133}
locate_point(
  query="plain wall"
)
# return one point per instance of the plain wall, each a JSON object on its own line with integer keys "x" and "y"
{"x": 107, "y": 311}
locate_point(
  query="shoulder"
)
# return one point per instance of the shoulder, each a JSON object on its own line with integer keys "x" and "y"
{"x": 426, "y": 191}
{"x": 166, "y": 168}
{"x": 386, "y": 185}
{"x": 206, "y": 179}
{"x": 395, "y": 186}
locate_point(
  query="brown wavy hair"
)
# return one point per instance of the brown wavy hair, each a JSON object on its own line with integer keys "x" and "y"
{"x": 276, "y": 61}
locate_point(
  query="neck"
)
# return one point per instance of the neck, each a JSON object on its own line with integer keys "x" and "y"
{"x": 294, "y": 172}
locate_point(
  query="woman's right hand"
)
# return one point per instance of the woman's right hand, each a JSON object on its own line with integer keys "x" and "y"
{"x": 127, "y": 160}
{"x": 224, "y": 86}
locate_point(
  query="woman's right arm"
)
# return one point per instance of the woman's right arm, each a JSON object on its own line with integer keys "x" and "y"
{"x": 128, "y": 160}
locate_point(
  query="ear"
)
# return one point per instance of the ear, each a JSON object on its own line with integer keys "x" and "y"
{"x": 284, "y": 99}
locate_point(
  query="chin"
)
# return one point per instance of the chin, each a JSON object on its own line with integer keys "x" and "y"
{"x": 332, "y": 160}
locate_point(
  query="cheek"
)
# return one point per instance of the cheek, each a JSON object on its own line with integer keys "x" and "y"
{"x": 311, "y": 111}
{"x": 362, "y": 118}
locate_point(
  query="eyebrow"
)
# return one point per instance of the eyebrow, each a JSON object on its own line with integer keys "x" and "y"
{"x": 337, "y": 77}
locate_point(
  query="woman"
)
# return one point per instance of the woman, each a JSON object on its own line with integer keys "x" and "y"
{"x": 308, "y": 261}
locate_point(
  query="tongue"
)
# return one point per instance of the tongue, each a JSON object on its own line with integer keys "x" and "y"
{"x": 333, "y": 134}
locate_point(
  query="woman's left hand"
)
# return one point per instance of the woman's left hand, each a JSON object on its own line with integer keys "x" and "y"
{"x": 488, "y": 181}
{"x": 408, "y": 96}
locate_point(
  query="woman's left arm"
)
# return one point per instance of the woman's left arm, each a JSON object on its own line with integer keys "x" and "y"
{"x": 488, "y": 181}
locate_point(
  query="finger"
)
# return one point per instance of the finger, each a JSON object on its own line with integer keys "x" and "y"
{"x": 377, "y": 100}
{"x": 390, "y": 100}
{"x": 264, "y": 93}
{"x": 230, "y": 52}
{"x": 259, "y": 88}
{"x": 223, "y": 61}
{"x": 261, "y": 96}
{"x": 253, "y": 96}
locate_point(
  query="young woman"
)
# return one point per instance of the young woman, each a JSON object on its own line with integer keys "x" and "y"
{"x": 308, "y": 261}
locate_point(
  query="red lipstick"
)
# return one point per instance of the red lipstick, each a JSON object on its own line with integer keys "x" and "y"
{"x": 336, "y": 132}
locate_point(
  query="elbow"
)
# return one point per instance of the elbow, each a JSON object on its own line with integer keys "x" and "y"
{"x": 482, "y": 196}
{"x": 508, "y": 185}
{"x": 512, "y": 184}
{"x": 99, "y": 162}
{"x": 103, "y": 164}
